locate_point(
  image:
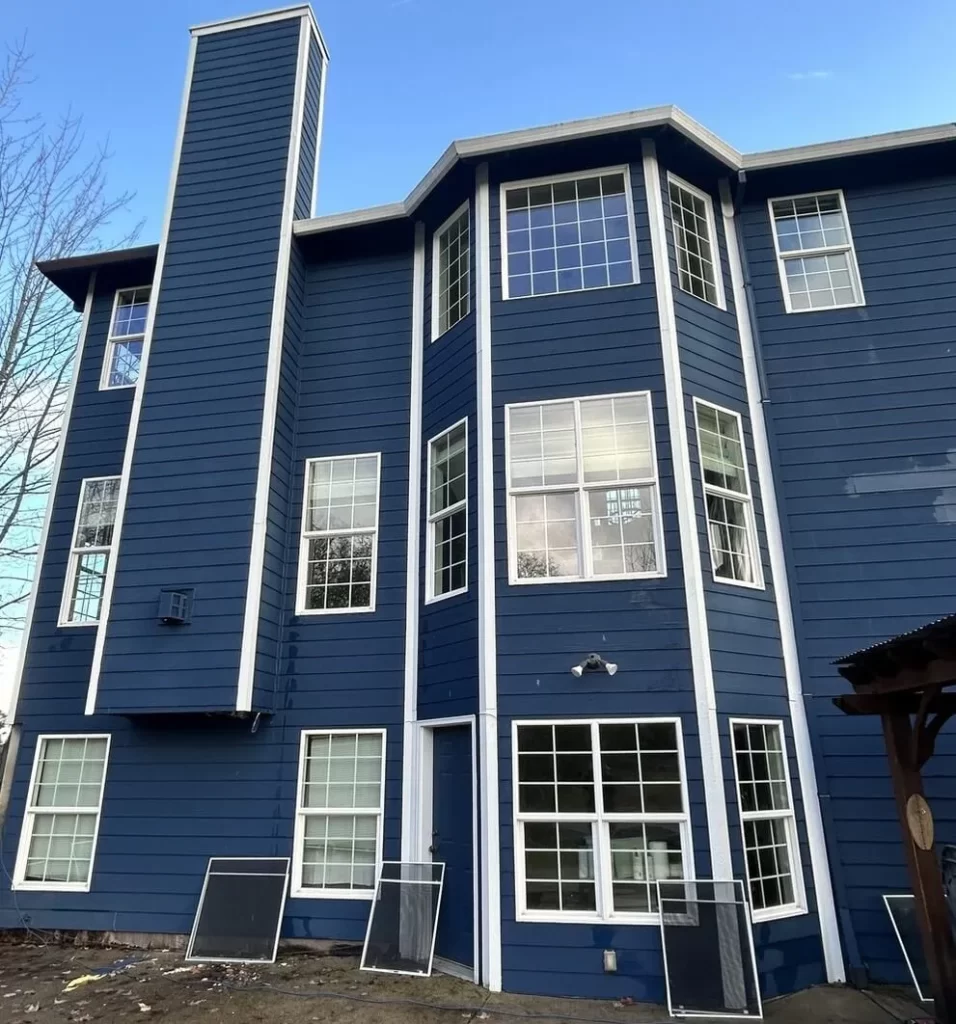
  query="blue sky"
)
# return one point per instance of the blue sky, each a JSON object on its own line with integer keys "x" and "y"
{"x": 408, "y": 76}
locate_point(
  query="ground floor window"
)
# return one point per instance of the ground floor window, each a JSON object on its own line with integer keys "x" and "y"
{"x": 62, "y": 815}
{"x": 600, "y": 815}
{"x": 338, "y": 830}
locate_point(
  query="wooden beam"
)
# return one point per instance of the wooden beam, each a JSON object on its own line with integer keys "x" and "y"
{"x": 941, "y": 672}
{"x": 893, "y": 703}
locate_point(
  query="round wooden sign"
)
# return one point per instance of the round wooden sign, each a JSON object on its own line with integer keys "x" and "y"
{"x": 920, "y": 820}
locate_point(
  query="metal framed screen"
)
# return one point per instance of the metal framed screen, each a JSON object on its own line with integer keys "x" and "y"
{"x": 710, "y": 967}
{"x": 240, "y": 910}
{"x": 404, "y": 918}
{"x": 902, "y": 911}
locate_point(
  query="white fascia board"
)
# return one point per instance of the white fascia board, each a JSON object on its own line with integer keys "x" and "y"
{"x": 349, "y": 219}
{"x": 263, "y": 18}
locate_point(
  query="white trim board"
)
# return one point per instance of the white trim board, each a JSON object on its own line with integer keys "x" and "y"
{"x": 809, "y": 791}
{"x": 704, "y": 691}
{"x": 51, "y": 503}
{"x": 208, "y": 28}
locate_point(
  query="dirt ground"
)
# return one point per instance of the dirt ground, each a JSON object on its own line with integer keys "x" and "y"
{"x": 303, "y": 987}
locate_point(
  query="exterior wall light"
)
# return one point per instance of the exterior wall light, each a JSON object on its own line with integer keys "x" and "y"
{"x": 594, "y": 663}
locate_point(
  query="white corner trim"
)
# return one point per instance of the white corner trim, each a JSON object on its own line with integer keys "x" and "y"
{"x": 208, "y": 28}
{"x": 487, "y": 639}
{"x": 412, "y": 781}
{"x": 704, "y": 692}
{"x": 819, "y": 860}
{"x": 100, "y": 644}
{"x": 318, "y": 135}
{"x": 51, "y": 503}
{"x": 260, "y": 520}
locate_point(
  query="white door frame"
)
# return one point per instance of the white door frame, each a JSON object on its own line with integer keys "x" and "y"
{"x": 423, "y": 836}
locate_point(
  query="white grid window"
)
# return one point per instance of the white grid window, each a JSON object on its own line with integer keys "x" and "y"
{"x": 600, "y": 815}
{"x": 90, "y": 552}
{"x": 339, "y": 535}
{"x": 447, "y": 560}
{"x": 338, "y": 842}
{"x": 695, "y": 240}
{"x": 815, "y": 254}
{"x": 767, "y": 818}
{"x": 567, "y": 234}
{"x": 124, "y": 347}
{"x": 731, "y": 525}
{"x": 583, "y": 490}
{"x": 451, "y": 263}
{"x": 63, "y": 813}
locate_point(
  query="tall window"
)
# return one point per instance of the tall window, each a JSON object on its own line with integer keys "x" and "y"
{"x": 568, "y": 233}
{"x": 815, "y": 254}
{"x": 767, "y": 818}
{"x": 601, "y": 814}
{"x": 451, "y": 284}
{"x": 583, "y": 492}
{"x": 339, "y": 535}
{"x": 124, "y": 347}
{"x": 90, "y": 551}
{"x": 695, "y": 239}
{"x": 338, "y": 831}
{"x": 448, "y": 513}
{"x": 62, "y": 813}
{"x": 731, "y": 527}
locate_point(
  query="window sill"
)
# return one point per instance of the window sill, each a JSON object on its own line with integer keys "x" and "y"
{"x": 524, "y": 917}
{"x": 777, "y": 913}
{"x": 534, "y": 581}
{"x": 77, "y": 625}
{"x": 724, "y": 581}
{"x": 570, "y": 291}
{"x": 51, "y": 886}
{"x": 445, "y": 597}
{"x": 824, "y": 309}
{"x": 308, "y": 612}
{"x": 117, "y": 387}
{"x": 331, "y": 894}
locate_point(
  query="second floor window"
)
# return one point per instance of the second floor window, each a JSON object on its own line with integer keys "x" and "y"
{"x": 90, "y": 552}
{"x": 451, "y": 284}
{"x": 339, "y": 547}
{"x": 447, "y": 559}
{"x": 815, "y": 253}
{"x": 567, "y": 234}
{"x": 583, "y": 490}
{"x": 695, "y": 239}
{"x": 124, "y": 347}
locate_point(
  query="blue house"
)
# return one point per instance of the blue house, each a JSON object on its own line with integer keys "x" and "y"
{"x": 341, "y": 501}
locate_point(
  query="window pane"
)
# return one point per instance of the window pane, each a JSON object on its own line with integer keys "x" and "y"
{"x": 555, "y": 769}
{"x": 820, "y": 282}
{"x": 622, "y": 530}
{"x": 342, "y": 494}
{"x": 721, "y": 449}
{"x": 70, "y": 772}
{"x": 125, "y": 359}
{"x": 450, "y": 553}
{"x": 448, "y": 455}
{"x": 339, "y": 851}
{"x": 730, "y": 541}
{"x": 615, "y": 436}
{"x": 547, "y": 535}
{"x": 89, "y": 581}
{"x": 129, "y": 318}
{"x": 640, "y": 854}
{"x": 542, "y": 445}
{"x": 339, "y": 572}
{"x": 640, "y": 769}
{"x": 696, "y": 264}
{"x": 760, "y": 767}
{"x": 453, "y": 276}
{"x": 97, "y": 513}
{"x": 810, "y": 222}
{"x": 61, "y": 848}
{"x": 768, "y": 863}
{"x": 565, "y": 225}
{"x": 559, "y": 866}
{"x": 343, "y": 771}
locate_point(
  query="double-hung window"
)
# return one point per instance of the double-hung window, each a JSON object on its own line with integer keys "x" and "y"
{"x": 815, "y": 254}
{"x": 90, "y": 552}
{"x": 339, "y": 544}
{"x": 568, "y": 233}
{"x": 124, "y": 346}
{"x": 731, "y": 526}
{"x": 767, "y": 818}
{"x": 600, "y": 815}
{"x": 695, "y": 240}
{"x": 338, "y": 829}
{"x": 582, "y": 490}
{"x": 447, "y": 558}
{"x": 62, "y": 815}
{"x": 451, "y": 282}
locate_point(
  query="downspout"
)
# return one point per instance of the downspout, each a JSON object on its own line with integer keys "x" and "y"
{"x": 857, "y": 969}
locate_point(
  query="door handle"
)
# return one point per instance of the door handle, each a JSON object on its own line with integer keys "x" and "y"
{"x": 433, "y": 849}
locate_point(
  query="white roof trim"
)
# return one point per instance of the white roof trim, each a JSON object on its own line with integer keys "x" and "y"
{"x": 263, "y": 18}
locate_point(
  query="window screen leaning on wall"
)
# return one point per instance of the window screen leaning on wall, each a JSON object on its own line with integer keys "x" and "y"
{"x": 601, "y": 813}
{"x": 90, "y": 552}
{"x": 583, "y": 492}
{"x": 62, "y": 813}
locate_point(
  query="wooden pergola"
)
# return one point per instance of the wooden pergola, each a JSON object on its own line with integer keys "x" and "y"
{"x": 904, "y": 681}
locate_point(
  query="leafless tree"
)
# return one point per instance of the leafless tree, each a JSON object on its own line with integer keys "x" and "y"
{"x": 54, "y": 202}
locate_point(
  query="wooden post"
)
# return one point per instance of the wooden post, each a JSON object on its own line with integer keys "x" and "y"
{"x": 931, "y": 911}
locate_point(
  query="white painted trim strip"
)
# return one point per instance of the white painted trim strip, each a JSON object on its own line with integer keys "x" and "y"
{"x": 487, "y": 639}
{"x": 318, "y": 136}
{"x": 412, "y": 781}
{"x": 704, "y": 692}
{"x": 260, "y": 520}
{"x": 819, "y": 860}
{"x": 100, "y": 644}
{"x": 208, "y": 28}
{"x": 51, "y": 501}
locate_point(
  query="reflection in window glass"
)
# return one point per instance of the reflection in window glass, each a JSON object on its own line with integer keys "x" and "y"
{"x": 692, "y": 216}
{"x": 124, "y": 348}
{"x": 448, "y": 512}
{"x": 90, "y": 553}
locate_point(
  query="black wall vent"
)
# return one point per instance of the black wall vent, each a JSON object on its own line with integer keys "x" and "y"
{"x": 175, "y": 606}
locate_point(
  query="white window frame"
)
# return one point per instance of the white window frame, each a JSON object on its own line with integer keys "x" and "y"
{"x": 66, "y": 600}
{"x": 799, "y": 905}
{"x": 296, "y": 888}
{"x": 436, "y": 271}
{"x": 551, "y": 179}
{"x": 112, "y": 339}
{"x": 747, "y": 500}
{"x": 30, "y": 813}
{"x": 434, "y": 517}
{"x": 579, "y": 488}
{"x": 305, "y": 536}
{"x": 849, "y": 248}
{"x": 711, "y": 220}
{"x": 600, "y": 836}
